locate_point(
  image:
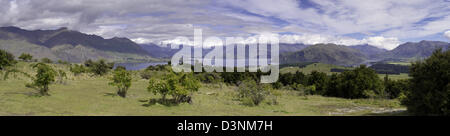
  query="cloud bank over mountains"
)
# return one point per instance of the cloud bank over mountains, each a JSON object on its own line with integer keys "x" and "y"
{"x": 382, "y": 23}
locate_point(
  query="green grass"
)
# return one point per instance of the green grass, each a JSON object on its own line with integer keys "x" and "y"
{"x": 395, "y": 77}
{"x": 326, "y": 68}
{"x": 87, "y": 95}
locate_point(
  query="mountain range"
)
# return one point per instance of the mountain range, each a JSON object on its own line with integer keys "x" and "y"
{"x": 414, "y": 50}
{"x": 74, "y": 46}
{"x": 69, "y": 45}
{"x": 325, "y": 53}
{"x": 361, "y": 54}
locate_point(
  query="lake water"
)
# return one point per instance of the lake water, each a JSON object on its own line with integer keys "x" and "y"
{"x": 138, "y": 66}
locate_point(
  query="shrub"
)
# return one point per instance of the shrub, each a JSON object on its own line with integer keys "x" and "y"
{"x": 430, "y": 86}
{"x": 146, "y": 74}
{"x": 6, "y": 59}
{"x": 210, "y": 78}
{"x": 332, "y": 87}
{"x": 63, "y": 62}
{"x": 287, "y": 79}
{"x": 156, "y": 68}
{"x": 355, "y": 83}
{"x": 273, "y": 97}
{"x": 100, "y": 67}
{"x": 394, "y": 88}
{"x": 304, "y": 90}
{"x": 44, "y": 77}
{"x": 122, "y": 80}
{"x": 121, "y": 67}
{"x": 251, "y": 93}
{"x": 277, "y": 85}
{"x": 319, "y": 80}
{"x": 46, "y": 60}
{"x": 179, "y": 85}
{"x": 88, "y": 63}
{"x": 25, "y": 57}
{"x": 61, "y": 76}
{"x": 158, "y": 87}
{"x": 77, "y": 69}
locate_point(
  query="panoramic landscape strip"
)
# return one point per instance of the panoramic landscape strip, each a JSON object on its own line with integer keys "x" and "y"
{"x": 224, "y": 58}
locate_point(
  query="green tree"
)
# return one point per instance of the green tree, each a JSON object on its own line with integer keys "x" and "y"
{"x": 394, "y": 88}
{"x": 26, "y": 57}
{"x": 122, "y": 80}
{"x": 6, "y": 59}
{"x": 430, "y": 86}
{"x": 332, "y": 86}
{"x": 300, "y": 78}
{"x": 357, "y": 83}
{"x": 45, "y": 75}
{"x": 319, "y": 80}
{"x": 158, "y": 87}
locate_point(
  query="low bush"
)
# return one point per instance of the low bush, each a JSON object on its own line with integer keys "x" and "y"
{"x": 252, "y": 93}
{"x": 45, "y": 75}
{"x": 179, "y": 85}
{"x": 122, "y": 80}
{"x": 25, "y": 57}
{"x": 6, "y": 59}
{"x": 46, "y": 60}
{"x": 77, "y": 69}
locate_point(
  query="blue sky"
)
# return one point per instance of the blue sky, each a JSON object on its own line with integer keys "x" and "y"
{"x": 382, "y": 23}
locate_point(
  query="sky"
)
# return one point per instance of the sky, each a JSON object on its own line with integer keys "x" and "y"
{"x": 382, "y": 23}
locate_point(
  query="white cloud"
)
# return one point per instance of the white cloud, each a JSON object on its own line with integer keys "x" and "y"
{"x": 447, "y": 34}
{"x": 394, "y": 18}
{"x": 141, "y": 40}
{"x": 388, "y": 43}
{"x": 145, "y": 21}
{"x": 383, "y": 42}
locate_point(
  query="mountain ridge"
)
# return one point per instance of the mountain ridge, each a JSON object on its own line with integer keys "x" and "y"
{"x": 325, "y": 53}
{"x": 64, "y": 36}
{"x": 72, "y": 45}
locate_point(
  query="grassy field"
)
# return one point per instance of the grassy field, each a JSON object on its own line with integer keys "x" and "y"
{"x": 316, "y": 66}
{"x": 395, "y": 77}
{"x": 87, "y": 95}
{"x": 401, "y": 63}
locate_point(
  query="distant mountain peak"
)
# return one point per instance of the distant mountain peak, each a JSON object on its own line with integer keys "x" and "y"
{"x": 415, "y": 50}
